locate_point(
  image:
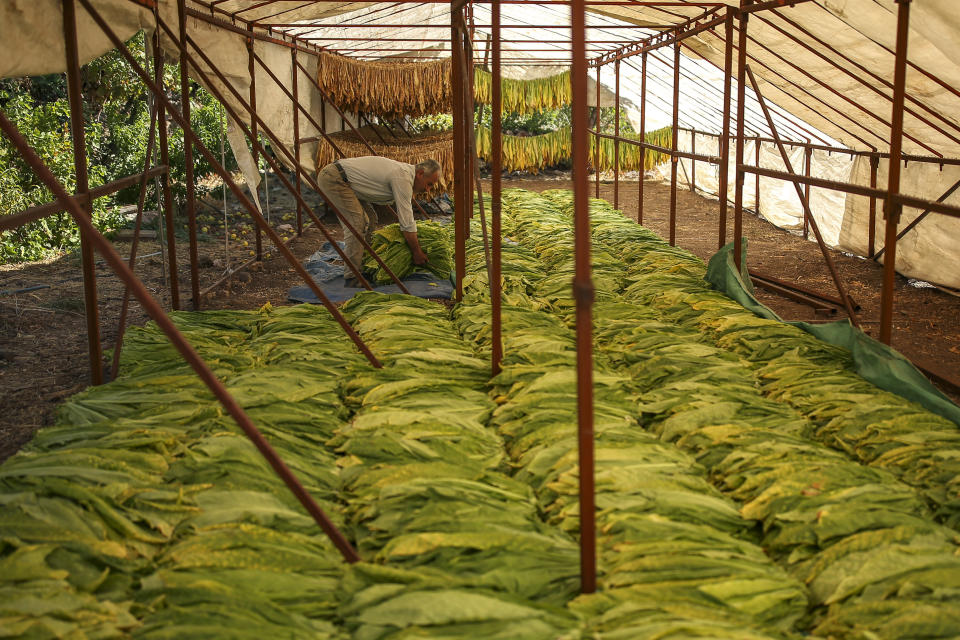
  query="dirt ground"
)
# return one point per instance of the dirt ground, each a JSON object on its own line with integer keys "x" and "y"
{"x": 43, "y": 345}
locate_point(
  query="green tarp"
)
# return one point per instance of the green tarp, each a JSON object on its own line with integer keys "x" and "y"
{"x": 874, "y": 361}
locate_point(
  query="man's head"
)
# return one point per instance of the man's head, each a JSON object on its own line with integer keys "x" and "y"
{"x": 428, "y": 172}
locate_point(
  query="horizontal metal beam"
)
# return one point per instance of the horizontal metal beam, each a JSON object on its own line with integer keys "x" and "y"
{"x": 477, "y": 40}
{"x": 412, "y": 49}
{"x": 852, "y": 152}
{"x": 859, "y": 190}
{"x": 658, "y": 41}
{"x": 42, "y": 211}
{"x": 652, "y": 147}
{"x": 367, "y": 25}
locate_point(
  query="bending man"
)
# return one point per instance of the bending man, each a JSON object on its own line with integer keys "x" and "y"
{"x": 353, "y": 184}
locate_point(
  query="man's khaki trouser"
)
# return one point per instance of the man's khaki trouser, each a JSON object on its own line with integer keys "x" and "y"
{"x": 360, "y": 214}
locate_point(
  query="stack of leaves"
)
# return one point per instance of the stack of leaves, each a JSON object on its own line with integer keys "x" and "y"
{"x": 391, "y": 245}
{"x": 426, "y": 493}
{"x": 249, "y": 579}
{"x": 545, "y": 229}
{"x": 655, "y": 492}
{"x": 519, "y": 270}
{"x": 384, "y": 602}
{"x": 150, "y": 509}
{"x": 815, "y": 503}
{"x": 647, "y": 492}
{"x": 878, "y": 428}
{"x": 848, "y": 413}
{"x": 820, "y": 509}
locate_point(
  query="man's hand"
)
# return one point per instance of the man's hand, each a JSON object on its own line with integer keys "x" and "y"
{"x": 419, "y": 257}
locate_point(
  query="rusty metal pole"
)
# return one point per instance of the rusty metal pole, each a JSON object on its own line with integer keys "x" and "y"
{"x": 251, "y": 70}
{"x": 674, "y": 158}
{"x": 94, "y": 348}
{"x": 872, "y": 228}
{"x": 741, "y": 111}
{"x": 583, "y": 296}
{"x": 891, "y": 208}
{"x": 848, "y": 304}
{"x": 724, "y": 187}
{"x": 920, "y": 218}
{"x": 756, "y": 184}
{"x": 616, "y": 136}
{"x": 296, "y": 135}
{"x": 165, "y": 181}
{"x": 166, "y": 325}
{"x": 141, "y": 200}
{"x": 460, "y": 193}
{"x": 596, "y": 138}
{"x": 468, "y": 118}
{"x": 693, "y": 161}
{"x": 643, "y": 134}
{"x": 807, "y": 168}
{"x": 188, "y": 164}
{"x": 496, "y": 169}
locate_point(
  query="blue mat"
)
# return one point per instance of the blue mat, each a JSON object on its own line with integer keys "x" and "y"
{"x": 327, "y": 270}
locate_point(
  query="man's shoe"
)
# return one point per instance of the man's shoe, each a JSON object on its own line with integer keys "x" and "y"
{"x": 352, "y": 283}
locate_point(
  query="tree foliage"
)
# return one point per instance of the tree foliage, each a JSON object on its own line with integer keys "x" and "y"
{"x": 117, "y": 118}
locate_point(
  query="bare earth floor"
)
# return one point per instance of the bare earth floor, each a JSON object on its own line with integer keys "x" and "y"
{"x": 43, "y": 345}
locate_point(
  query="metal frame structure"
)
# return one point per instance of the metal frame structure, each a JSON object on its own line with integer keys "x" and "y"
{"x": 717, "y": 18}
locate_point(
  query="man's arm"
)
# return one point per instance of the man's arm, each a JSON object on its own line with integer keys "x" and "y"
{"x": 403, "y": 193}
{"x": 419, "y": 257}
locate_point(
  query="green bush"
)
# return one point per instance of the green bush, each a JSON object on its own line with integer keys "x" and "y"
{"x": 117, "y": 118}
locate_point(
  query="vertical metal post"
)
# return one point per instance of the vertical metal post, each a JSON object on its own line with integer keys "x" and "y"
{"x": 460, "y": 193}
{"x": 616, "y": 136}
{"x": 496, "y": 168}
{"x": 643, "y": 134}
{"x": 596, "y": 138}
{"x": 94, "y": 350}
{"x": 674, "y": 159}
{"x": 468, "y": 111}
{"x": 872, "y": 228}
{"x": 323, "y": 101}
{"x": 165, "y": 183}
{"x": 756, "y": 184}
{"x": 807, "y": 168}
{"x": 741, "y": 93}
{"x": 157, "y": 189}
{"x": 725, "y": 125}
{"x": 254, "y": 135}
{"x": 188, "y": 163}
{"x": 693, "y": 162}
{"x": 583, "y": 296}
{"x": 296, "y": 135}
{"x": 892, "y": 208}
